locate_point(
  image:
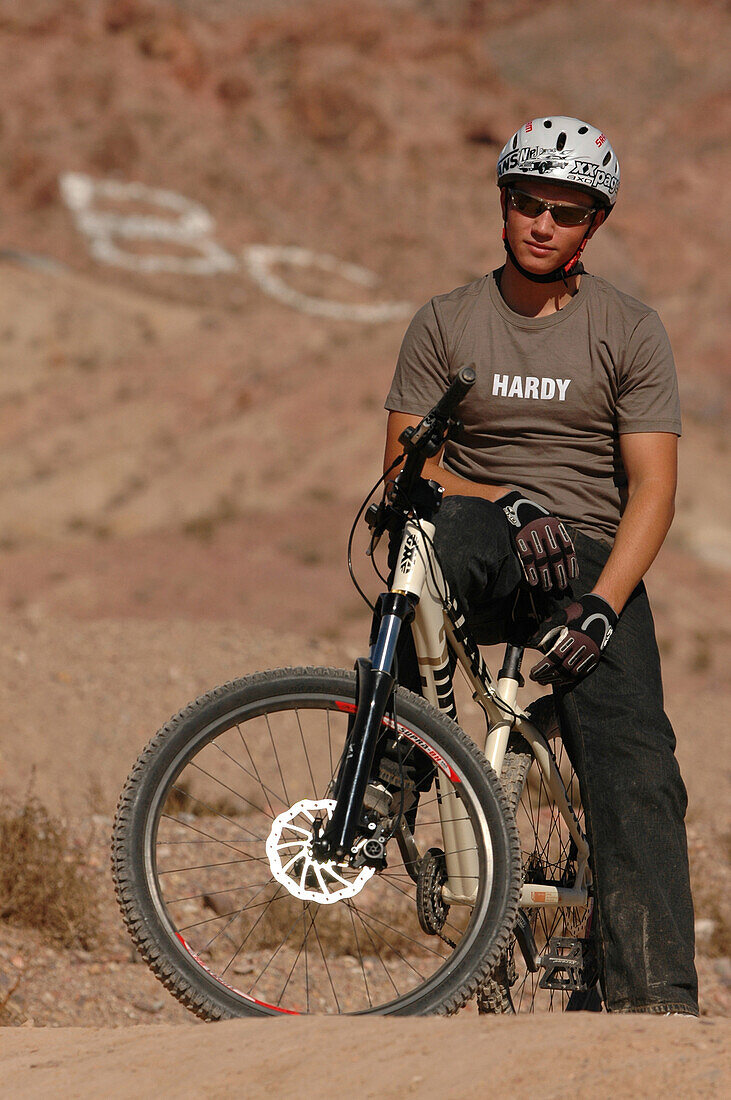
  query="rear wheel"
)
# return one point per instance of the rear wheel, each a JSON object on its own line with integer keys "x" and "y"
{"x": 548, "y": 855}
{"x": 218, "y": 884}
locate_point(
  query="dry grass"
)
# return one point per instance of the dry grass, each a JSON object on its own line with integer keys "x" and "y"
{"x": 43, "y": 884}
{"x": 181, "y": 800}
{"x": 8, "y": 1013}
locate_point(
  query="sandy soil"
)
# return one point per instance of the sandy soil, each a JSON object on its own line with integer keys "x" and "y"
{"x": 623, "y": 1057}
{"x": 181, "y": 455}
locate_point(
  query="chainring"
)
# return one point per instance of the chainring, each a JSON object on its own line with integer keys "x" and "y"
{"x": 431, "y": 908}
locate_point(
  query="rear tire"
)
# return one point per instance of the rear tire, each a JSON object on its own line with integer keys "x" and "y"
{"x": 192, "y": 859}
{"x": 546, "y": 855}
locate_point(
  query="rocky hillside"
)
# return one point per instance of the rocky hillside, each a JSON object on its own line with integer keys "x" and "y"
{"x": 218, "y": 217}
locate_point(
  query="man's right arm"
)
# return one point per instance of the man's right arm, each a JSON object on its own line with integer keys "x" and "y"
{"x": 454, "y": 485}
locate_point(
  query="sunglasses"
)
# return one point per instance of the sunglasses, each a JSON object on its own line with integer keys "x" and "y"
{"x": 563, "y": 213}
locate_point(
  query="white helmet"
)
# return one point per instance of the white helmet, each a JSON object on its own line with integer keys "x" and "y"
{"x": 566, "y": 150}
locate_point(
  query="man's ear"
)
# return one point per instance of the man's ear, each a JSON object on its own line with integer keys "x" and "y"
{"x": 503, "y": 201}
{"x": 600, "y": 217}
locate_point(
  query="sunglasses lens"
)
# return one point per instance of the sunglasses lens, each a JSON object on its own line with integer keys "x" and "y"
{"x": 569, "y": 215}
{"x": 527, "y": 204}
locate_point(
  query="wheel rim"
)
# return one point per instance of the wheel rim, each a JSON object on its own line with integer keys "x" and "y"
{"x": 240, "y": 926}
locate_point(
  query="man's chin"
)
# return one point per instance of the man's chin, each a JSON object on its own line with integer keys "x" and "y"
{"x": 539, "y": 264}
{"x": 540, "y": 267}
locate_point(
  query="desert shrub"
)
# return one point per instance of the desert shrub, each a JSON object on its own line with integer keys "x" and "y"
{"x": 43, "y": 884}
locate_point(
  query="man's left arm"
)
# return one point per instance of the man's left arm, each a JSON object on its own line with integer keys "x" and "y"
{"x": 574, "y": 637}
{"x": 651, "y": 463}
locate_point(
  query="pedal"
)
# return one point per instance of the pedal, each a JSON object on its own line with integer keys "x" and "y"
{"x": 566, "y": 964}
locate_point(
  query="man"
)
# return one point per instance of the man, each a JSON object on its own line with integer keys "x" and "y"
{"x": 563, "y": 479}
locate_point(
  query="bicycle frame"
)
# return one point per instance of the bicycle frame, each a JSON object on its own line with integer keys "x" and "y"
{"x": 439, "y": 622}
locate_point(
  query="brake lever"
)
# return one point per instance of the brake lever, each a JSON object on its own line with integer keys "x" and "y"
{"x": 375, "y": 517}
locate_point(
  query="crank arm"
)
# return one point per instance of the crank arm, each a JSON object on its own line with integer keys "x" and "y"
{"x": 526, "y": 942}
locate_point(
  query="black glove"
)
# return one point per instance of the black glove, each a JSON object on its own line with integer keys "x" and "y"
{"x": 541, "y": 542}
{"x": 573, "y": 640}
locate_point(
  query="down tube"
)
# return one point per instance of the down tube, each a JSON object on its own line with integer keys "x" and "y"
{"x": 423, "y": 577}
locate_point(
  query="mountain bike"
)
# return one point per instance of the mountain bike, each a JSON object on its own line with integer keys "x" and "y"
{"x": 318, "y": 840}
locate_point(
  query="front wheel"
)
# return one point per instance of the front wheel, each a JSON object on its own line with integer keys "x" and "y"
{"x": 219, "y": 887}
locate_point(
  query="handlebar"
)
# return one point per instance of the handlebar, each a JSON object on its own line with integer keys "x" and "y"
{"x": 432, "y": 431}
{"x": 460, "y": 387}
{"x": 420, "y": 442}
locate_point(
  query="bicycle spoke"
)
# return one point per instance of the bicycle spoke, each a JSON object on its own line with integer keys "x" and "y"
{"x": 251, "y": 775}
{"x": 247, "y": 937}
{"x": 208, "y": 866}
{"x": 369, "y": 916}
{"x": 273, "y": 957}
{"x": 305, "y": 914}
{"x": 327, "y": 968}
{"x": 360, "y": 956}
{"x": 378, "y": 953}
{"x": 276, "y": 757}
{"x": 213, "y": 839}
{"x": 227, "y": 926}
{"x": 307, "y": 755}
{"x": 330, "y": 744}
{"x": 423, "y": 946}
{"x": 549, "y": 858}
{"x": 213, "y": 893}
{"x": 263, "y": 786}
{"x": 216, "y": 813}
{"x": 225, "y": 786}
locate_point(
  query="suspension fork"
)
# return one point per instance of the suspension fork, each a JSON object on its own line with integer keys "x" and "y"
{"x": 375, "y": 684}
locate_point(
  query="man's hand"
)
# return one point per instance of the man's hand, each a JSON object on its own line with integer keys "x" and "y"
{"x": 573, "y": 640}
{"x": 541, "y": 542}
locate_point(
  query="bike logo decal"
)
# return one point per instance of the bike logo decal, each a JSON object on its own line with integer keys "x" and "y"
{"x": 407, "y": 557}
{"x": 440, "y": 762}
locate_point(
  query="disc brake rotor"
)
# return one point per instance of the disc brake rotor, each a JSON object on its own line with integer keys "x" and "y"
{"x": 289, "y": 849}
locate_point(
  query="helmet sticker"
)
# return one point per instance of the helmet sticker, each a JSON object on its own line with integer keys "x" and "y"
{"x": 594, "y": 175}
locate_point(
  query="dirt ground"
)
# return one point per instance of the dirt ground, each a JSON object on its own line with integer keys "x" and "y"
{"x": 182, "y": 453}
{"x": 624, "y": 1057}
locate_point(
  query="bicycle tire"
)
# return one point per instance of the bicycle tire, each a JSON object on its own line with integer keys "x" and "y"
{"x": 546, "y": 855}
{"x": 169, "y": 806}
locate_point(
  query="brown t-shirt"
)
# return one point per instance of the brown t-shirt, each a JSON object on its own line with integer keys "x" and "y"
{"x": 553, "y": 394}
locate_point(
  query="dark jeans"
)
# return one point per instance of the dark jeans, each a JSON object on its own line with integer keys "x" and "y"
{"x": 622, "y": 747}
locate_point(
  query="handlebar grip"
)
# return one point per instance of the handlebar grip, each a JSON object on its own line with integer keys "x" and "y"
{"x": 461, "y": 385}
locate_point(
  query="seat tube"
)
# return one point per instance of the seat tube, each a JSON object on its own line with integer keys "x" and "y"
{"x": 507, "y": 686}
